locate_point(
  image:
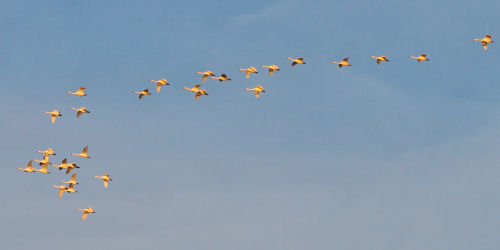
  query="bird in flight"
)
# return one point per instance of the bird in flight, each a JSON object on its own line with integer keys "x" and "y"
{"x": 49, "y": 151}
{"x": 65, "y": 165}
{"x": 222, "y": 77}
{"x": 344, "y": 62}
{"x": 250, "y": 70}
{"x": 257, "y": 90}
{"x": 105, "y": 178}
{"x": 45, "y": 160}
{"x": 299, "y": 60}
{"x": 142, "y": 93}
{"x": 83, "y": 154}
{"x": 420, "y": 58}
{"x": 484, "y": 41}
{"x": 53, "y": 115}
{"x": 70, "y": 167}
{"x": 29, "y": 168}
{"x": 71, "y": 189}
{"x": 160, "y": 83}
{"x": 61, "y": 190}
{"x": 72, "y": 180}
{"x": 80, "y": 111}
{"x": 80, "y": 92}
{"x": 196, "y": 89}
{"x": 43, "y": 169}
{"x": 271, "y": 68}
{"x": 380, "y": 59}
{"x": 86, "y": 211}
{"x": 205, "y": 75}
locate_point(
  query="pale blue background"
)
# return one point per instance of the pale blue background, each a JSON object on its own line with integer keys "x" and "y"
{"x": 402, "y": 155}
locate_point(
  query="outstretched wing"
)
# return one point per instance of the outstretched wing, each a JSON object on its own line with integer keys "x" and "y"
{"x": 84, "y": 216}
{"x": 85, "y": 149}
{"x": 105, "y": 183}
{"x": 197, "y": 96}
{"x": 204, "y": 78}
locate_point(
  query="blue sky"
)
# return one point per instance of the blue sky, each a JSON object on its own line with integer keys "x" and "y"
{"x": 402, "y": 155}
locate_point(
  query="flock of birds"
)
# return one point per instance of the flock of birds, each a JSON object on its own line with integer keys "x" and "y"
{"x": 70, "y": 188}
{"x": 45, "y": 162}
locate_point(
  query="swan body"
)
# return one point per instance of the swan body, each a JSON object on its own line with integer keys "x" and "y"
{"x": 142, "y": 93}
{"x": 105, "y": 178}
{"x": 257, "y": 90}
{"x": 53, "y": 115}
{"x": 80, "y": 92}
{"x": 344, "y": 62}
{"x": 299, "y": 60}
{"x": 196, "y": 89}
{"x": 271, "y": 68}
{"x": 160, "y": 83}
{"x": 84, "y": 153}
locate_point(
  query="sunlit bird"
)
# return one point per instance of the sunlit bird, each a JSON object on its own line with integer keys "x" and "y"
{"x": 53, "y": 115}
{"x": 86, "y": 211}
{"x": 105, "y": 178}
{"x": 43, "y": 169}
{"x": 44, "y": 161}
{"x": 299, "y": 60}
{"x": 205, "y": 75}
{"x": 271, "y": 68}
{"x": 142, "y": 93}
{"x": 65, "y": 165}
{"x": 344, "y": 62}
{"x": 484, "y": 41}
{"x": 71, "y": 189}
{"x": 420, "y": 58}
{"x": 380, "y": 59}
{"x": 83, "y": 154}
{"x": 61, "y": 190}
{"x": 196, "y": 89}
{"x": 250, "y": 70}
{"x": 160, "y": 83}
{"x": 70, "y": 167}
{"x": 72, "y": 180}
{"x": 222, "y": 77}
{"x": 257, "y": 90}
{"x": 29, "y": 168}
{"x": 49, "y": 151}
{"x": 80, "y": 92}
{"x": 80, "y": 111}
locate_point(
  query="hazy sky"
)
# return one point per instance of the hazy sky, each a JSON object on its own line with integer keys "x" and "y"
{"x": 402, "y": 155}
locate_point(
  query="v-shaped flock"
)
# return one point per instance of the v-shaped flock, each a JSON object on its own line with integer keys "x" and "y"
{"x": 197, "y": 90}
